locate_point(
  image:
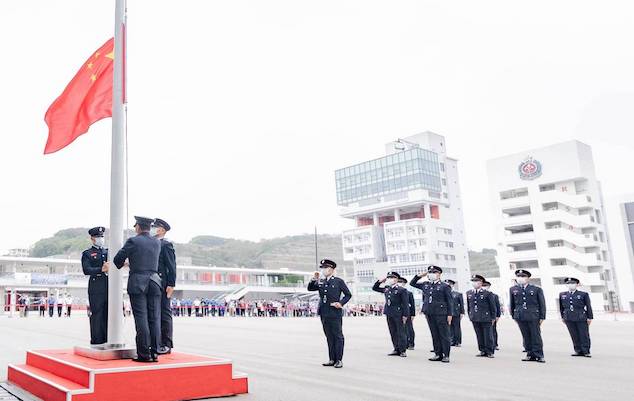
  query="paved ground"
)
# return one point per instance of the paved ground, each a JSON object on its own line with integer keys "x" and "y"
{"x": 283, "y": 355}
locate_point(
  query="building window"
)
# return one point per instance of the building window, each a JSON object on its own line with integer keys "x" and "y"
{"x": 547, "y": 187}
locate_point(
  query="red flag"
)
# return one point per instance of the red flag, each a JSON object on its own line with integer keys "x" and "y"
{"x": 86, "y": 99}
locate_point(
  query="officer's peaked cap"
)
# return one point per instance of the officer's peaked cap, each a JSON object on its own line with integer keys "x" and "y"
{"x": 162, "y": 223}
{"x": 327, "y": 263}
{"x": 97, "y": 231}
{"x": 522, "y": 272}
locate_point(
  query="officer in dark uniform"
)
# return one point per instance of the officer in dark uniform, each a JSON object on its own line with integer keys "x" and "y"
{"x": 458, "y": 311}
{"x": 528, "y": 307}
{"x": 409, "y": 325}
{"x": 481, "y": 309}
{"x": 396, "y": 311}
{"x": 498, "y": 313}
{"x": 438, "y": 308}
{"x": 94, "y": 263}
{"x": 330, "y": 309}
{"x": 144, "y": 288}
{"x": 576, "y": 313}
{"x": 167, "y": 272}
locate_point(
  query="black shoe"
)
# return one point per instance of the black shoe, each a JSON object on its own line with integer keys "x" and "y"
{"x": 403, "y": 354}
{"x": 587, "y": 355}
{"x": 394, "y": 353}
{"x": 338, "y": 365}
{"x": 482, "y": 354}
{"x": 497, "y": 348}
{"x": 445, "y": 359}
{"x": 524, "y": 351}
{"x": 489, "y": 356}
{"x": 577, "y": 354}
{"x": 164, "y": 351}
{"x": 540, "y": 360}
{"x": 432, "y": 350}
{"x": 144, "y": 360}
{"x": 436, "y": 359}
{"x": 528, "y": 359}
{"x": 329, "y": 363}
{"x": 411, "y": 348}
{"x": 458, "y": 345}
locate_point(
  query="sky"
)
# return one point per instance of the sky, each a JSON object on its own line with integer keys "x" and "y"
{"x": 240, "y": 111}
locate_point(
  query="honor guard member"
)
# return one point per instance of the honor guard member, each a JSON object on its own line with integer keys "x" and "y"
{"x": 144, "y": 288}
{"x": 94, "y": 263}
{"x": 481, "y": 309}
{"x": 498, "y": 313}
{"x": 330, "y": 309}
{"x": 438, "y": 309}
{"x": 576, "y": 313}
{"x": 528, "y": 308}
{"x": 409, "y": 324}
{"x": 167, "y": 272}
{"x": 396, "y": 311}
{"x": 455, "y": 330}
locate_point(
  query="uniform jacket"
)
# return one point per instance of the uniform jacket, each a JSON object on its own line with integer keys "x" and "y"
{"x": 167, "y": 263}
{"x": 575, "y": 306}
{"x": 92, "y": 261}
{"x": 412, "y": 303}
{"x": 481, "y": 306}
{"x": 527, "y": 303}
{"x": 143, "y": 253}
{"x": 396, "y": 300}
{"x": 330, "y": 291}
{"x": 458, "y": 303}
{"x": 498, "y": 305}
{"x": 437, "y": 298}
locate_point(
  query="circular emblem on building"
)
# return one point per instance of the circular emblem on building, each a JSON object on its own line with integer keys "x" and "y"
{"x": 530, "y": 169}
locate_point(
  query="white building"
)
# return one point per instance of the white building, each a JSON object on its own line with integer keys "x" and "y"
{"x": 621, "y": 218}
{"x": 407, "y": 213}
{"x": 549, "y": 215}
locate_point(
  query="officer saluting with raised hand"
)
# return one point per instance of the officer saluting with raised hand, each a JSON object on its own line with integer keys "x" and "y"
{"x": 482, "y": 310}
{"x": 330, "y": 309}
{"x": 167, "y": 272}
{"x": 576, "y": 313}
{"x": 438, "y": 308}
{"x": 396, "y": 311}
{"x": 144, "y": 288}
{"x": 528, "y": 309}
{"x": 94, "y": 263}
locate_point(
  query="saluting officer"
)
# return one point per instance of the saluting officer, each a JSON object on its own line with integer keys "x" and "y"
{"x": 498, "y": 312}
{"x": 167, "y": 272}
{"x": 396, "y": 311}
{"x": 438, "y": 308}
{"x": 409, "y": 324}
{"x": 528, "y": 307}
{"x": 144, "y": 288}
{"x": 481, "y": 309}
{"x": 455, "y": 330}
{"x": 330, "y": 309}
{"x": 94, "y": 263}
{"x": 576, "y": 313}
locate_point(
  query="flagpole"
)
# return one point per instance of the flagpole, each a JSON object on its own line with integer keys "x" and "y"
{"x": 117, "y": 179}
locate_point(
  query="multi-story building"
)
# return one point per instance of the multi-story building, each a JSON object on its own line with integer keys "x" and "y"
{"x": 549, "y": 212}
{"x": 407, "y": 213}
{"x": 621, "y": 218}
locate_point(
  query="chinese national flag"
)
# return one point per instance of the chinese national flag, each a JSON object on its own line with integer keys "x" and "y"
{"x": 86, "y": 99}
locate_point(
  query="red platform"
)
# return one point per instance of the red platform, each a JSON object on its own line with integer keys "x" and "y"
{"x": 60, "y": 375}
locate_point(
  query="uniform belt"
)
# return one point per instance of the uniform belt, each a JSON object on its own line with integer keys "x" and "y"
{"x": 101, "y": 274}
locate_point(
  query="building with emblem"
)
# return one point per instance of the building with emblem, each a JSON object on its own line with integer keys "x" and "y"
{"x": 550, "y": 219}
{"x": 406, "y": 213}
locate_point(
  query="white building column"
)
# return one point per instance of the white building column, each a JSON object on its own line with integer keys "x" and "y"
{"x": 397, "y": 214}
{"x": 375, "y": 218}
{"x": 427, "y": 211}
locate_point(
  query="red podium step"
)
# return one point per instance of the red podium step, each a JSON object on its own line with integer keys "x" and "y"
{"x": 60, "y": 375}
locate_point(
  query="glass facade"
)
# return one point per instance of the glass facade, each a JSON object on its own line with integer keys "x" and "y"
{"x": 411, "y": 169}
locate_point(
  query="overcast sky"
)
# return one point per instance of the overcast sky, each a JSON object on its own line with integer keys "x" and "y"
{"x": 240, "y": 111}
